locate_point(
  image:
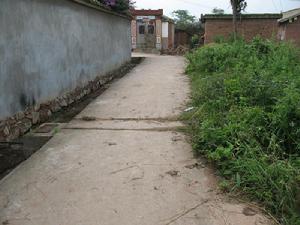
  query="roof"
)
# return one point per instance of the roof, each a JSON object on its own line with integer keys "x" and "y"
{"x": 147, "y": 12}
{"x": 167, "y": 19}
{"x": 177, "y": 30}
{"x": 289, "y": 15}
{"x": 243, "y": 16}
{"x": 101, "y": 7}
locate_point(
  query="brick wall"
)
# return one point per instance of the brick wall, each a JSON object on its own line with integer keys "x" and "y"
{"x": 182, "y": 38}
{"x": 290, "y": 32}
{"x": 171, "y": 35}
{"x": 248, "y": 28}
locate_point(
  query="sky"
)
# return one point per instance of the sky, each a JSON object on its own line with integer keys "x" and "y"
{"x": 198, "y": 7}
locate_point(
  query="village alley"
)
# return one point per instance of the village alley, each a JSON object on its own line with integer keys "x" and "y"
{"x": 126, "y": 165}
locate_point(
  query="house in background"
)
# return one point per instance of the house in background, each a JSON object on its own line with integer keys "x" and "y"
{"x": 284, "y": 27}
{"x": 168, "y": 33}
{"x": 289, "y": 26}
{"x": 151, "y": 31}
{"x": 182, "y": 37}
{"x": 249, "y": 26}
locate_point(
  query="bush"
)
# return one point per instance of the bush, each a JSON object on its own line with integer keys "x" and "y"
{"x": 121, "y": 6}
{"x": 247, "y": 119}
{"x": 195, "y": 40}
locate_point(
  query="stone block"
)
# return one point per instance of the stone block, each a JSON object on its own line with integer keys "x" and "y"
{"x": 6, "y": 131}
{"x": 24, "y": 125}
{"x": 35, "y": 117}
{"x": 20, "y": 116}
{"x": 63, "y": 102}
{"x": 14, "y": 133}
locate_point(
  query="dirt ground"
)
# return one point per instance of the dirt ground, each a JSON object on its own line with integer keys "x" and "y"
{"x": 123, "y": 161}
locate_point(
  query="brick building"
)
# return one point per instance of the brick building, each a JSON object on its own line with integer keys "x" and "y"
{"x": 289, "y": 26}
{"x": 284, "y": 27}
{"x": 151, "y": 31}
{"x": 182, "y": 37}
{"x": 249, "y": 26}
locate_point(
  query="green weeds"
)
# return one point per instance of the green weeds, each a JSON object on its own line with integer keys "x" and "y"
{"x": 247, "y": 119}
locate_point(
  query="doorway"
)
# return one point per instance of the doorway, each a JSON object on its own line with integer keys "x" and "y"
{"x": 146, "y": 37}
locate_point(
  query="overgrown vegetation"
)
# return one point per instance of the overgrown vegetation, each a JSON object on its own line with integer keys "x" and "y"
{"x": 247, "y": 119}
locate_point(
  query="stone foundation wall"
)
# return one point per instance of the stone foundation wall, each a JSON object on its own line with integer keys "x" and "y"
{"x": 51, "y": 47}
{"x": 22, "y": 122}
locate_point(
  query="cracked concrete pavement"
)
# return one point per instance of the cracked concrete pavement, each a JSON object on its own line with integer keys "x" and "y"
{"x": 128, "y": 165}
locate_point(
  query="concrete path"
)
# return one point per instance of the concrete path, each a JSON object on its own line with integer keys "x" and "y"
{"x": 128, "y": 166}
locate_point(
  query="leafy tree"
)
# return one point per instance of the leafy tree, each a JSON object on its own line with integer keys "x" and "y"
{"x": 116, "y": 5}
{"x": 237, "y": 7}
{"x": 185, "y": 21}
{"x": 121, "y": 5}
{"x": 218, "y": 11}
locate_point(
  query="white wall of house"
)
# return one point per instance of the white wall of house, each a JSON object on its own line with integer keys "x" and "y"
{"x": 165, "y": 29}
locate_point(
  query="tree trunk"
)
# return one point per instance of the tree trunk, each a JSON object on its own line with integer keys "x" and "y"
{"x": 234, "y": 12}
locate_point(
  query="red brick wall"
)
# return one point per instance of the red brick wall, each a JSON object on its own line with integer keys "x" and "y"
{"x": 291, "y": 31}
{"x": 147, "y": 12}
{"x": 182, "y": 38}
{"x": 171, "y": 35}
{"x": 248, "y": 28}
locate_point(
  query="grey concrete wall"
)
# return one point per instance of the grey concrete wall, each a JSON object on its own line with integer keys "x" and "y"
{"x": 50, "y": 47}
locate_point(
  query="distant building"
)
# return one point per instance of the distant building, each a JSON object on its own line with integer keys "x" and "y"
{"x": 249, "y": 26}
{"x": 182, "y": 37}
{"x": 151, "y": 31}
{"x": 289, "y": 26}
{"x": 285, "y": 26}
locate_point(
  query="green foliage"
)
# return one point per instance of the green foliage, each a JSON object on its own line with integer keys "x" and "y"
{"x": 218, "y": 11}
{"x": 247, "y": 119}
{"x": 238, "y": 5}
{"x": 183, "y": 18}
{"x": 195, "y": 41}
{"x": 219, "y": 39}
{"x": 120, "y": 6}
{"x": 185, "y": 21}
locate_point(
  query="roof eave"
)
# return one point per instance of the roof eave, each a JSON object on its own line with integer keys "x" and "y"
{"x": 243, "y": 16}
{"x": 283, "y": 20}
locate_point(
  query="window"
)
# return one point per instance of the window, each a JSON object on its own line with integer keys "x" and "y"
{"x": 150, "y": 29}
{"x": 142, "y": 29}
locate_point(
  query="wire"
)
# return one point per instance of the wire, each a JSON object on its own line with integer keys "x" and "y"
{"x": 194, "y": 3}
{"x": 281, "y": 5}
{"x": 275, "y": 6}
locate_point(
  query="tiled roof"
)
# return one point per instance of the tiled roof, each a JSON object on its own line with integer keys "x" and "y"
{"x": 167, "y": 19}
{"x": 289, "y": 15}
{"x": 243, "y": 16}
{"x": 147, "y": 12}
{"x": 101, "y": 7}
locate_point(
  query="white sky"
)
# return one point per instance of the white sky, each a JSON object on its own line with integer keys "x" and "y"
{"x": 198, "y": 7}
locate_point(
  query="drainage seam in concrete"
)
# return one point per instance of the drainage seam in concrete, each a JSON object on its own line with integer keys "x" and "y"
{"x": 160, "y": 129}
{"x": 159, "y": 119}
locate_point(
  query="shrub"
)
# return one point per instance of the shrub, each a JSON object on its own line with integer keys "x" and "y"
{"x": 122, "y": 6}
{"x": 247, "y": 118}
{"x": 195, "y": 40}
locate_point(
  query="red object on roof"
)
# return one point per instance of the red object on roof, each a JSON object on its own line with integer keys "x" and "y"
{"x": 147, "y": 12}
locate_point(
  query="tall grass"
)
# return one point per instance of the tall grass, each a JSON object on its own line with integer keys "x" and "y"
{"x": 247, "y": 119}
